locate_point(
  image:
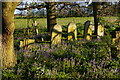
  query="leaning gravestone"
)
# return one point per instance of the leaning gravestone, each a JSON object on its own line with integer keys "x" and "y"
{"x": 56, "y": 34}
{"x": 72, "y": 31}
{"x": 88, "y": 29}
{"x": 26, "y": 42}
{"x": 100, "y": 32}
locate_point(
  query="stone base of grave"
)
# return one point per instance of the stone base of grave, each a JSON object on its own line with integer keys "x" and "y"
{"x": 26, "y": 42}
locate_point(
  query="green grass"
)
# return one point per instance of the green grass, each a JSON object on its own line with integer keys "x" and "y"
{"x": 65, "y": 21}
{"x": 22, "y": 23}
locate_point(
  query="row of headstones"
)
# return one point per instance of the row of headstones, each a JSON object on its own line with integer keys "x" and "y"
{"x": 56, "y": 35}
{"x": 72, "y": 32}
{"x": 89, "y": 28}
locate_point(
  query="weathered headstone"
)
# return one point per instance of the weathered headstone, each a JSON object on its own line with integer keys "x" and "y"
{"x": 35, "y": 24}
{"x": 88, "y": 29}
{"x": 116, "y": 39}
{"x": 25, "y": 42}
{"x": 86, "y": 26}
{"x": 37, "y": 31}
{"x": 100, "y": 32}
{"x": 27, "y": 31}
{"x": 56, "y": 34}
{"x": 72, "y": 31}
{"x": 115, "y": 34}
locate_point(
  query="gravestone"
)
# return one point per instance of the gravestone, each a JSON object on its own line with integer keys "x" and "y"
{"x": 72, "y": 31}
{"x": 27, "y": 31}
{"x": 116, "y": 39}
{"x": 26, "y": 42}
{"x": 88, "y": 29}
{"x": 115, "y": 34}
{"x": 37, "y": 31}
{"x": 35, "y": 24}
{"x": 100, "y": 32}
{"x": 56, "y": 34}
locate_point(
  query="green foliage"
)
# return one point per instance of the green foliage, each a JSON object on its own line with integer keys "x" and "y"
{"x": 109, "y": 26}
{"x": 91, "y": 59}
{"x": 71, "y": 59}
{"x": 22, "y": 23}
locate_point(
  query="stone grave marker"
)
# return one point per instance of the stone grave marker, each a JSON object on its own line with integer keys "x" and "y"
{"x": 115, "y": 35}
{"x": 88, "y": 29}
{"x": 100, "y": 32}
{"x": 35, "y": 24}
{"x": 116, "y": 40}
{"x": 72, "y": 31}
{"x": 27, "y": 31}
{"x": 25, "y": 42}
{"x": 56, "y": 34}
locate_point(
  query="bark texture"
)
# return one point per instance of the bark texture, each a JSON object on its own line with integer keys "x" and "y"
{"x": 96, "y": 19}
{"x": 8, "y": 55}
{"x": 51, "y": 15}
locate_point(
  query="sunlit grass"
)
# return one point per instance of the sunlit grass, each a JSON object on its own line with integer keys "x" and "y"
{"x": 22, "y": 23}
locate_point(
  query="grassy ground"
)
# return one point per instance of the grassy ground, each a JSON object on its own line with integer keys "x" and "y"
{"x": 22, "y": 23}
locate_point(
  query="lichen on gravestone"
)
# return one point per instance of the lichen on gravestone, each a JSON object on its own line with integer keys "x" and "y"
{"x": 56, "y": 34}
{"x": 72, "y": 31}
{"x": 88, "y": 29}
{"x": 100, "y": 32}
{"x": 26, "y": 42}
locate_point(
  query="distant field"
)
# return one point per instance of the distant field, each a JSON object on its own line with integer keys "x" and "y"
{"x": 22, "y": 23}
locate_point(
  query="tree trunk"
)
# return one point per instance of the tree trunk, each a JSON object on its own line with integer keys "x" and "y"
{"x": 51, "y": 15}
{"x": 118, "y": 13}
{"x": 96, "y": 19}
{"x": 0, "y": 40}
{"x": 8, "y": 55}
